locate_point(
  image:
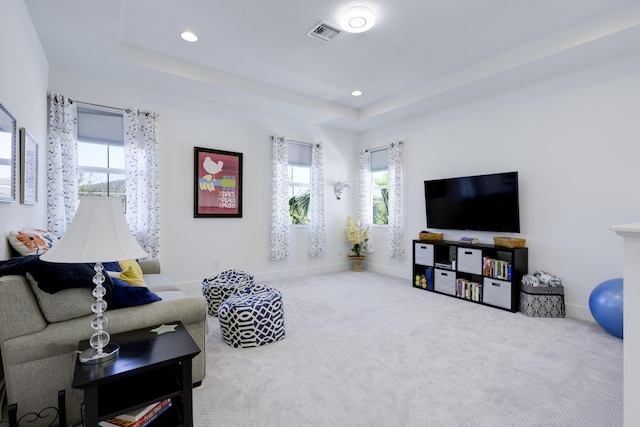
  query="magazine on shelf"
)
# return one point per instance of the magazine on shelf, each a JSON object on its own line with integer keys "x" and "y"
{"x": 137, "y": 414}
{"x": 145, "y": 419}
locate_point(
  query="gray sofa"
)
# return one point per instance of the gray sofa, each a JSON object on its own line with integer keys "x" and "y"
{"x": 39, "y": 334}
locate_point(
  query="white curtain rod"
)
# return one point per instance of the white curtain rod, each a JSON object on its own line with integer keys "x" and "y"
{"x": 126, "y": 110}
{"x": 383, "y": 147}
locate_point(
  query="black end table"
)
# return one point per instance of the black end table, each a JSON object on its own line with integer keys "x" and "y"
{"x": 150, "y": 368}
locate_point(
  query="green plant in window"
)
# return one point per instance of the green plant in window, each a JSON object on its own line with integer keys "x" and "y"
{"x": 381, "y": 203}
{"x": 299, "y": 208}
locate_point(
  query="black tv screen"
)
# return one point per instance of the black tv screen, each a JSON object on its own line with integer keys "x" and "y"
{"x": 480, "y": 202}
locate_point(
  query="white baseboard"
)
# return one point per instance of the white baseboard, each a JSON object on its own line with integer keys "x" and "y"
{"x": 572, "y": 311}
{"x": 195, "y": 288}
{"x": 579, "y": 312}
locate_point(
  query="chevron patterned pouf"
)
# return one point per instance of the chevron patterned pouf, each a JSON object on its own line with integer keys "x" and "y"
{"x": 218, "y": 288}
{"x": 251, "y": 320}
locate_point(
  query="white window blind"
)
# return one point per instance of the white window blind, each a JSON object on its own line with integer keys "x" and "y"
{"x": 100, "y": 126}
{"x": 379, "y": 160}
{"x": 299, "y": 153}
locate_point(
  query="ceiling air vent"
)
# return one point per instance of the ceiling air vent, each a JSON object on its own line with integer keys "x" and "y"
{"x": 324, "y": 31}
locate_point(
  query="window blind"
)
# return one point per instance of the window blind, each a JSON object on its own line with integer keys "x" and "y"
{"x": 100, "y": 126}
{"x": 299, "y": 153}
{"x": 380, "y": 160}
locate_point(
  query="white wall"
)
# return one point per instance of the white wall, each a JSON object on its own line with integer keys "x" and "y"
{"x": 23, "y": 90}
{"x": 575, "y": 141}
{"x": 195, "y": 248}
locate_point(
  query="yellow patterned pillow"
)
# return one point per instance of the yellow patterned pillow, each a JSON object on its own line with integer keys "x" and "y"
{"x": 131, "y": 263}
{"x": 130, "y": 275}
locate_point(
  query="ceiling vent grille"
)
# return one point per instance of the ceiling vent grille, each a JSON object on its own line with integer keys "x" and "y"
{"x": 324, "y": 31}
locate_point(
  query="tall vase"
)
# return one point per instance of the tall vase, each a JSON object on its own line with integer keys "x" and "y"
{"x": 357, "y": 262}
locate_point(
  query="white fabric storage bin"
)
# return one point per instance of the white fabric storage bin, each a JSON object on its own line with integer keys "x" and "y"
{"x": 445, "y": 281}
{"x": 424, "y": 254}
{"x": 470, "y": 260}
{"x": 496, "y": 292}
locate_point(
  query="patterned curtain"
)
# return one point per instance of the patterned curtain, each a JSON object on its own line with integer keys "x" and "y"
{"x": 62, "y": 164}
{"x": 396, "y": 223}
{"x": 365, "y": 210}
{"x": 318, "y": 229}
{"x": 279, "y": 200}
{"x": 142, "y": 178}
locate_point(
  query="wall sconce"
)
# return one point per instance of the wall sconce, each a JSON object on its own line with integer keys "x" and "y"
{"x": 339, "y": 187}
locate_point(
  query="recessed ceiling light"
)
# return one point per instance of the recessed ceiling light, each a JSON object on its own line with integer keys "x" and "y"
{"x": 189, "y": 36}
{"x": 357, "y": 19}
{"x": 356, "y": 92}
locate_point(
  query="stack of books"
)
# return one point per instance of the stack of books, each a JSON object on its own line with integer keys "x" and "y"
{"x": 140, "y": 417}
{"x": 468, "y": 289}
{"x": 496, "y": 268}
{"x": 468, "y": 240}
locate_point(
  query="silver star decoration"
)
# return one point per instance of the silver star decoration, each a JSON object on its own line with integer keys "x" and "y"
{"x": 162, "y": 329}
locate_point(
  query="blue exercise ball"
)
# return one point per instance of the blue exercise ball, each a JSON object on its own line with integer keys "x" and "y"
{"x": 606, "y": 305}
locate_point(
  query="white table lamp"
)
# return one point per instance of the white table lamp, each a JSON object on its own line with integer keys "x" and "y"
{"x": 98, "y": 233}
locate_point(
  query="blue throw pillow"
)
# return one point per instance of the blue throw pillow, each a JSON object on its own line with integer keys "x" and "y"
{"x": 126, "y": 295}
{"x": 111, "y": 266}
{"x": 53, "y": 277}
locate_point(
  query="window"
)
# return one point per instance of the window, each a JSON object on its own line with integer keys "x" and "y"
{"x": 380, "y": 186}
{"x": 299, "y": 165}
{"x": 101, "y": 163}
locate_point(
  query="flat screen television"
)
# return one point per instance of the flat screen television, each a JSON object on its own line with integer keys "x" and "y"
{"x": 481, "y": 202}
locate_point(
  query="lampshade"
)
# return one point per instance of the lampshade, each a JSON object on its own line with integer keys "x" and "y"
{"x": 98, "y": 233}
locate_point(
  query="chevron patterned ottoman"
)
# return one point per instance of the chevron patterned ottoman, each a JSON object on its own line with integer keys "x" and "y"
{"x": 220, "y": 287}
{"x": 252, "y": 320}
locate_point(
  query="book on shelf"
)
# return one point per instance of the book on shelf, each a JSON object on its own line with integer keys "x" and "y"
{"x": 497, "y": 269}
{"x": 147, "y": 416}
{"x": 137, "y": 414}
{"x": 468, "y": 240}
{"x": 447, "y": 265}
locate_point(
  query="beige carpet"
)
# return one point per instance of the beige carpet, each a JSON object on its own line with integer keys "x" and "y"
{"x": 363, "y": 349}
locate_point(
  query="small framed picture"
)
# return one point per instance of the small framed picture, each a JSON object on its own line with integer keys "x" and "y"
{"x": 217, "y": 183}
{"x": 28, "y": 168}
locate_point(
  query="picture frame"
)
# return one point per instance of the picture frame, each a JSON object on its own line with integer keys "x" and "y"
{"x": 28, "y": 168}
{"x": 8, "y": 155}
{"x": 217, "y": 183}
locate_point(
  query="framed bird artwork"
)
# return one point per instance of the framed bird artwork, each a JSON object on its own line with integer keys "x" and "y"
{"x": 217, "y": 184}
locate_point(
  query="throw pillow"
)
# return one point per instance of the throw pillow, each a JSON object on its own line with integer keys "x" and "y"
{"x": 53, "y": 277}
{"x": 130, "y": 276}
{"x": 63, "y": 305}
{"x": 131, "y": 263}
{"x": 125, "y": 295}
{"x": 112, "y": 266}
{"x": 32, "y": 241}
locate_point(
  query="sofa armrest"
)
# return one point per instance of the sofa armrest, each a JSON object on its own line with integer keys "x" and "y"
{"x": 20, "y": 313}
{"x": 150, "y": 267}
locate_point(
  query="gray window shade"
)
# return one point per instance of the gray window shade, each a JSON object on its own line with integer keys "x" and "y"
{"x": 380, "y": 160}
{"x": 100, "y": 126}
{"x": 299, "y": 153}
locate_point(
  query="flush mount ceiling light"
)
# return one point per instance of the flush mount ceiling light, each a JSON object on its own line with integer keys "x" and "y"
{"x": 356, "y": 93}
{"x": 188, "y": 36}
{"x": 357, "y": 19}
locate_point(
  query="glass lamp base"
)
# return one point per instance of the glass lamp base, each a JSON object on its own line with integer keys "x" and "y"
{"x": 90, "y": 356}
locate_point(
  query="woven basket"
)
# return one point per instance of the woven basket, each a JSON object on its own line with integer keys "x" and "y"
{"x": 431, "y": 236}
{"x": 509, "y": 242}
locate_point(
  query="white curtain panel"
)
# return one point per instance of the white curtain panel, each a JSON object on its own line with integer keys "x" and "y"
{"x": 62, "y": 164}
{"x": 365, "y": 209}
{"x": 142, "y": 179}
{"x": 396, "y": 223}
{"x": 279, "y": 200}
{"x": 318, "y": 228}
